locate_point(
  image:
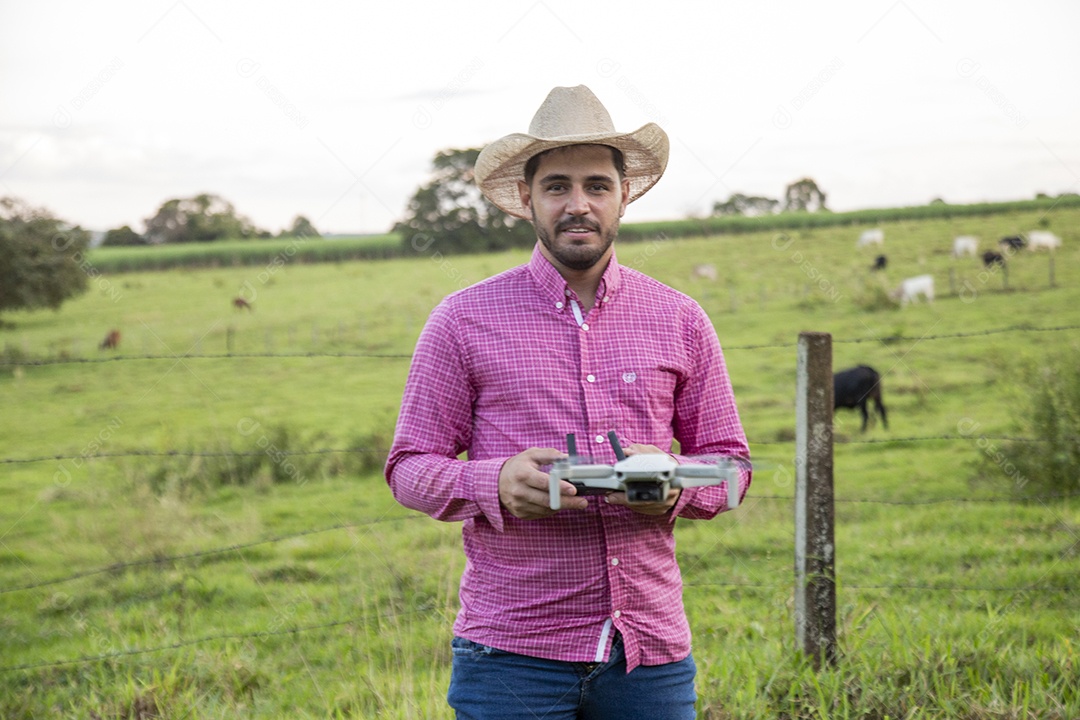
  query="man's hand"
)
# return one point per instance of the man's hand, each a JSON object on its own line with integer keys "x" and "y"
{"x": 523, "y": 488}
{"x": 653, "y": 508}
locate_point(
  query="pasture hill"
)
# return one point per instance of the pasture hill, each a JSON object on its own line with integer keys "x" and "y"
{"x": 305, "y": 249}
{"x": 194, "y": 522}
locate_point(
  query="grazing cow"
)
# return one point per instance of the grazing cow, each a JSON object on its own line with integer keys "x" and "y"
{"x": 965, "y": 245}
{"x": 910, "y": 289}
{"x": 991, "y": 258}
{"x": 241, "y": 304}
{"x": 1012, "y": 242}
{"x": 854, "y": 387}
{"x": 1042, "y": 239}
{"x": 111, "y": 341}
{"x": 871, "y": 237}
{"x": 879, "y": 263}
{"x": 707, "y": 272}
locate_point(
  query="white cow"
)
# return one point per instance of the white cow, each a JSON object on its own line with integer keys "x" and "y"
{"x": 871, "y": 237}
{"x": 706, "y": 272}
{"x": 910, "y": 289}
{"x": 965, "y": 245}
{"x": 1043, "y": 239}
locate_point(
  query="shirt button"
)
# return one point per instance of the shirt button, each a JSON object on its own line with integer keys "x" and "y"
{"x": 567, "y": 291}
{"x": 558, "y": 305}
{"x": 600, "y": 438}
{"x": 606, "y": 298}
{"x": 618, "y": 613}
{"x": 590, "y": 378}
{"x": 614, "y": 561}
{"x": 584, "y": 326}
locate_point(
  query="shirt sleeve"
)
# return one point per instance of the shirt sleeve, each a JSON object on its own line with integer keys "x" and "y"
{"x": 706, "y": 422}
{"x": 434, "y": 427}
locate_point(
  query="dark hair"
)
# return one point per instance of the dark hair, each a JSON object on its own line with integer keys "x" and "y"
{"x": 534, "y": 162}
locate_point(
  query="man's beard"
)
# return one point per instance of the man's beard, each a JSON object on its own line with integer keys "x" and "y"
{"x": 576, "y": 257}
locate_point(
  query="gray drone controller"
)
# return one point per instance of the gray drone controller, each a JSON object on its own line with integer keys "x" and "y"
{"x": 644, "y": 478}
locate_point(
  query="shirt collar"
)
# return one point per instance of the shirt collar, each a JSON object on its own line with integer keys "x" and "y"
{"x": 552, "y": 284}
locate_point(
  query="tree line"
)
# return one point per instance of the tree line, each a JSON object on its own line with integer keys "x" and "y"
{"x": 42, "y": 257}
{"x": 202, "y": 218}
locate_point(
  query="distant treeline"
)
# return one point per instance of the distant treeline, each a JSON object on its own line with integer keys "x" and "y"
{"x": 319, "y": 250}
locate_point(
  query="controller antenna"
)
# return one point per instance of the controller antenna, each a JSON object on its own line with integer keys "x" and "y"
{"x": 571, "y": 446}
{"x": 619, "y": 454}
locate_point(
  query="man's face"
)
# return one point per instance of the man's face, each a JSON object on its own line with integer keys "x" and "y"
{"x": 576, "y": 199}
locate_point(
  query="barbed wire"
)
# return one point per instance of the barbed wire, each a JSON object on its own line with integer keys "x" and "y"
{"x": 359, "y": 450}
{"x": 207, "y": 638}
{"x": 166, "y": 559}
{"x": 935, "y": 501}
{"x": 909, "y": 586}
{"x": 392, "y": 615}
{"x": 113, "y": 358}
{"x": 920, "y": 438}
{"x": 886, "y": 339}
{"x": 189, "y": 454}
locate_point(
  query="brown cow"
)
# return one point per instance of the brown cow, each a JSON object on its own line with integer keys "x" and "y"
{"x": 241, "y": 304}
{"x": 111, "y": 341}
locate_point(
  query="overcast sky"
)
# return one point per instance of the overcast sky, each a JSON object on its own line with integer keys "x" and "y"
{"x": 334, "y": 110}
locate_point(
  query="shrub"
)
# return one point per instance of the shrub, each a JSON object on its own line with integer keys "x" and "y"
{"x": 270, "y": 456}
{"x": 1052, "y": 419}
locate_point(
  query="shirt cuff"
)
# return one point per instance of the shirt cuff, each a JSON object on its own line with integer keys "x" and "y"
{"x": 486, "y": 490}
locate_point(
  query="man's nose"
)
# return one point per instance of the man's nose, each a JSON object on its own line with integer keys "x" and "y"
{"x": 578, "y": 202}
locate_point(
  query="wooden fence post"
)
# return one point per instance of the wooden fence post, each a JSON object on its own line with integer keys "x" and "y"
{"x": 815, "y": 552}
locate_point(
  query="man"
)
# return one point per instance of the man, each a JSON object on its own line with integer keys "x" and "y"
{"x": 576, "y": 613}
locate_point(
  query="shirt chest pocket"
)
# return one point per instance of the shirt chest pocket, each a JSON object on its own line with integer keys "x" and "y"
{"x": 646, "y": 399}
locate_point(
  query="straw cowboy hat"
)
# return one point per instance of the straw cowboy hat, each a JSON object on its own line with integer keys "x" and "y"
{"x": 569, "y": 116}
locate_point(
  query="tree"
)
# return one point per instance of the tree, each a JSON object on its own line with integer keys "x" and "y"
{"x": 301, "y": 228}
{"x": 450, "y": 214}
{"x": 41, "y": 257}
{"x": 201, "y": 218}
{"x": 739, "y": 204}
{"x": 123, "y": 236}
{"x": 804, "y": 196}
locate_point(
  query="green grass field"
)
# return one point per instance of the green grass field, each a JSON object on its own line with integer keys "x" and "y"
{"x": 254, "y": 565}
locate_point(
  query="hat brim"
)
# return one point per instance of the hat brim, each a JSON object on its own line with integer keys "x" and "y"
{"x": 501, "y": 164}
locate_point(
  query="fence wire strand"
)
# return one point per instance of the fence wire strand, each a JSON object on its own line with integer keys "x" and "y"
{"x": 331, "y": 451}
{"x": 885, "y": 339}
{"x": 208, "y": 638}
{"x": 166, "y": 559}
{"x": 85, "y": 659}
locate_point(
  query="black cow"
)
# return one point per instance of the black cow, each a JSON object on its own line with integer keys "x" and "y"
{"x": 991, "y": 258}
{"x": 880, "y": 262}
{"x": 854, "y": 387}
{"x": 1013, "y": 242}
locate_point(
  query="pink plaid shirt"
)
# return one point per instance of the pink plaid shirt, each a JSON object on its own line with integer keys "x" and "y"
{"x": 508, "y": 364}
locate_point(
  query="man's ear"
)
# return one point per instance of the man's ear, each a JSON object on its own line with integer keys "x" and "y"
{"x": 625, "y": 195}
{"x": 526, "y": 196}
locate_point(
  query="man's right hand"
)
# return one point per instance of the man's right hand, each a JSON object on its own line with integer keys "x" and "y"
{"x": 523, "y": 488}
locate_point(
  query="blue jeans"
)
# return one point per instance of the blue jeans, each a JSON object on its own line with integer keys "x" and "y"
{"x": 490, "y": 684}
